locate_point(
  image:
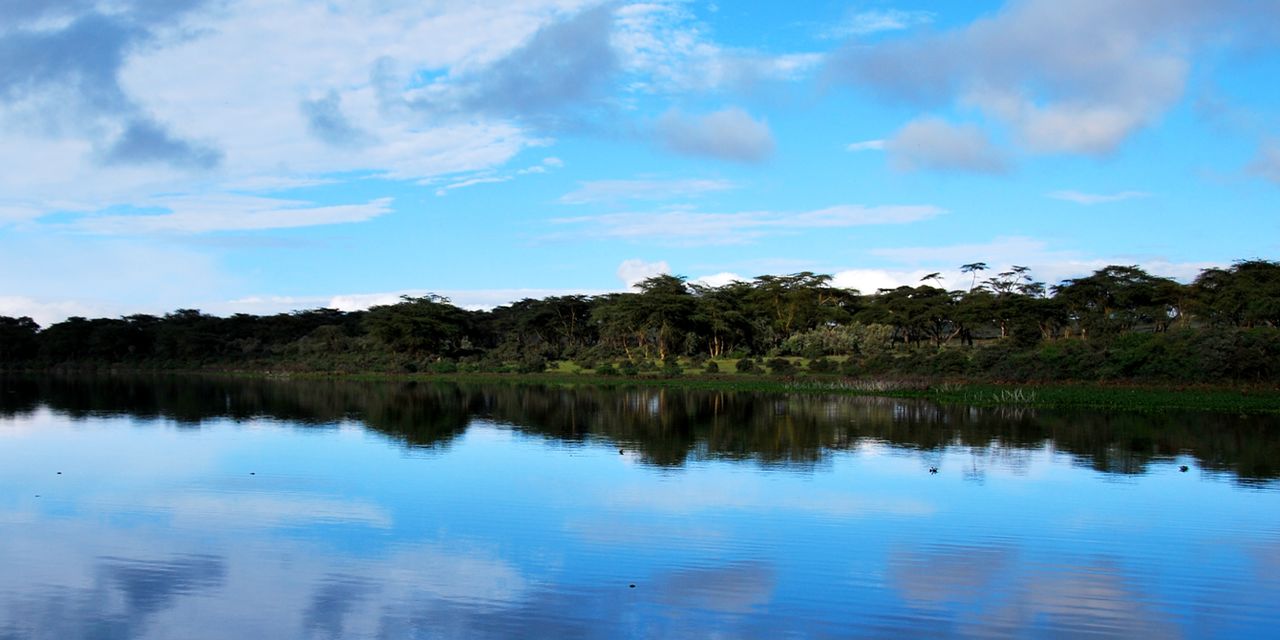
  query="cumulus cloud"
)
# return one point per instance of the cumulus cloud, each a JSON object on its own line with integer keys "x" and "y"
{"x": 327, "y": 122}
{"x": 619, "y": 190}
{"x": 729, "y": 134}
{"x": 145, "y": 142}
{"x": 718, "y": 279}
{"x": 632, "y": 272}
{"x": 693, "y": 228}
{"x": 1073, "y": 78}
{"x": 563, "y": 64}
{"x": 932, "y": 144}
{"x": 1080, "y": 197}
{"x": 60, "y": 67}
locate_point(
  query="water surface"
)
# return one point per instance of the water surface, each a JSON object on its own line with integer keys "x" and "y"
{"x": 198, "y": 508}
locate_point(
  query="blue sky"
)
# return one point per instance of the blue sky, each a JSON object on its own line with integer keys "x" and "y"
{"x": 268, "y": 155}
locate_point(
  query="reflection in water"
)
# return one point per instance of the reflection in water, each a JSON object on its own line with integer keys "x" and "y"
{"x": 443, "y": 510}
{"x": 124, "y": 596}
{"x": 671, "y": 427}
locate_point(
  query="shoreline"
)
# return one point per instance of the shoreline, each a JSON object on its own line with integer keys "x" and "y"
{"x": 1114, "y": 396}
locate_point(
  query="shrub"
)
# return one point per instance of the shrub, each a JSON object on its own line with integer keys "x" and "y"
{"x": 711, "y": 367}
{"x": 782, "y": 366}
{"x": 745, "y": 365}
{"x": 606, "y": 369}
{"x": 822, "y": 365}
{"x": 531, "y": 364}
{"x": 443, "y": 366}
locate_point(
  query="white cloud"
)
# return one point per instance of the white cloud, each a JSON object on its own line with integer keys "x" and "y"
{"x": 729, "y": 134}
{"x": 192, "y": 214}
{"x": 619, "y": 190}
{"x": 866, "y": 145}
{"x": 471, "y": 182}
{"x": 719, "y": 279}
{"x": 865, "y": 23}
{"x": 1048, "y": 263}
{"x": 1080, "y": 197}
{"x": 665, "y": 49}
{"x": 47, "y": 312}
{"x": 633, "y": 271}
{"x": 692, "y": 228}
{"x": 472, "y": 299}
{"x": 932, "y": 144}
{"x": 1077, "y": 77}
{"x": 868, "y": 281}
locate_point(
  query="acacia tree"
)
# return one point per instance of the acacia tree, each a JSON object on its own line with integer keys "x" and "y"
{"x": 1117, "y": 298}
{"x": 1245, "y": 295}
{"x": 973, "y": 268}
{"x": 425, "y": 325}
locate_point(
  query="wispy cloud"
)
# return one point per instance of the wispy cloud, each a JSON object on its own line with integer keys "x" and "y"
{"x": 865, "y": 23}
{"x": 620, "y": 190}
{"x": 692, "y": 228}
{"x": 203, "y": 214}
{"x": 866, "y": 145}
{"x": 471, "y": 182}
{"x": 1080, "y": 197}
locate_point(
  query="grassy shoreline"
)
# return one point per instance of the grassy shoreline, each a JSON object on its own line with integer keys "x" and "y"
{"x": 1115, "y": 396}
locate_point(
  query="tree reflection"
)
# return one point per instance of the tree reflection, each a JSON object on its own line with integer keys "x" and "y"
{"x": 670, "y": 427}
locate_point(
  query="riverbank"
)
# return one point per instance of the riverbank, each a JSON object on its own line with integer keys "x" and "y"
{"x": 1245, "y": 399}
{"x": 1114, "y": 395}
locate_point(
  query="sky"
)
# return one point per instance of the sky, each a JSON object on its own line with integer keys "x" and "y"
{"x": 260, "y": 156}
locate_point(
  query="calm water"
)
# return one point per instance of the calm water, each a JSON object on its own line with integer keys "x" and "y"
{"x": 232, "y": 509}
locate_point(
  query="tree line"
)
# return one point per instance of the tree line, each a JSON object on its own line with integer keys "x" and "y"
{"x": 1118, "y": 322}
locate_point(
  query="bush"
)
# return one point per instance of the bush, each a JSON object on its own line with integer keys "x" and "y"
{"x": 606, "y": 369}
{"x": 822, "y": 365}
{"x": 782, "y": 367}
{"x": 443, "y": 366}
{"x": 531, "y": 364}
{"x": 628, "y": 368}
{"x": 711, "y": 367}
{"x": 745, "y": 365}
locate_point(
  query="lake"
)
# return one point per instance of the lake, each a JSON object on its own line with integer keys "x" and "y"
{"x": 171, "y": 507}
